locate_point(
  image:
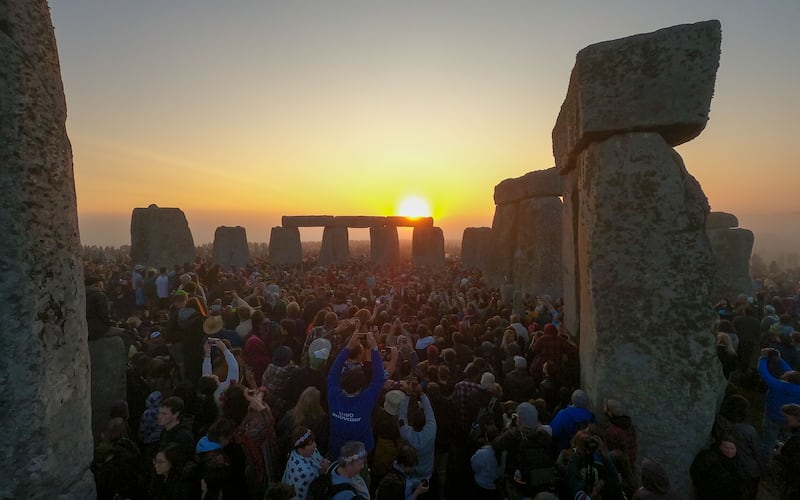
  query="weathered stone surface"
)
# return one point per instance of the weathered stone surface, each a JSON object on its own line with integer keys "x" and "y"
{"x": 504, "y": 236}
{"x": 537, "y": 267}
{"x": 46, "y": 442}
{"x": 660, "y": 82}
{"x": 646, "y": 267}
{"x": 108, "y": 363}
{"x": 732, "y": 249}
{"x": 570, "y": 257}
{"x": 721, "y": 220}
{"x": 384, "y": 245}
{"x": 284, "y": 246}
{"x": 427, "y": 246}
{"x": 160, "y": 237}
{"x": 358, "y": 221}
{"x": 531, "y": 185}
{"x": 335, "y": 246}
{"x": 476, "y": 247}
{"x": 230, "y": 247}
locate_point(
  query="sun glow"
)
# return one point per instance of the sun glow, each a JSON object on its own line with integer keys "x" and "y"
{"x": 414, "y": 206}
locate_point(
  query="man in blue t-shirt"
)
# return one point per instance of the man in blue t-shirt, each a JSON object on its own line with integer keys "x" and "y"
{"x": 351, "y": 399}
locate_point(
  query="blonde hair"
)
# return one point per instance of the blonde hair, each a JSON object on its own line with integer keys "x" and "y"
{"x": 308, "y": 408}
{"x": 723, "y": 339}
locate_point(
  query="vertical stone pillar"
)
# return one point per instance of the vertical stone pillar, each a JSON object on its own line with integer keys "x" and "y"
{"x": 570, "y": 259}
{"x": 644, "y": 262}
{"x": 384, "y": 245}
{"x": 46, "y": 442}
{"x": 335, "y": 246}
{"x": 230, "y": 247}
{"x": 284, "y": 245}
{"x": 536, "y": 267}
{"x": 161, "y": 237}
{"x": 504, "y": 244}
{"x": 427, "y": 246}
{"x": 476, "y": 247}
{"x": 732, "y": 248}
{"x": 645, "y": 269}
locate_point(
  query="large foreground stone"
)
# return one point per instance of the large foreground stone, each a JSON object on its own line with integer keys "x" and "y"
{"x": 570, "y": 258}
{"x": 46, "y": 441}
{"x": 230, "y": 247}
{"x": 660, "y": 82}
{"x": 476, "y": 247}
{"x": 284, "y": 246}
{"x": 539, "y": 183}
{"x": 537, "y": 265}
{"x": 427, "y": 246}
{"x": 645, "y": 268}
{"x": 384, "y": 245}
{"x": 108, "y": 364}
{"x": 161, "y": 237}
{"x": 732, "y": 249}
{"x": 335, "y": 246}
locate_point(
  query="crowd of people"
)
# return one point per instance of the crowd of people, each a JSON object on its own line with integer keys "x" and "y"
{"x": 362, "y": 381}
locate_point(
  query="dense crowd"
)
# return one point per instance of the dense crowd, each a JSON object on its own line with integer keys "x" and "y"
{"x": 358, "y": 381}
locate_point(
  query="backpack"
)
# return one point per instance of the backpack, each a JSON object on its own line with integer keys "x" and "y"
{"x": 535, "y": 461}
{"x": 485, "y": 417}
{"x": 322, "y": 487}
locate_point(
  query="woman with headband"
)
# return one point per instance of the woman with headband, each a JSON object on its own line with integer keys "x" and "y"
{"x": 305, "y": 462}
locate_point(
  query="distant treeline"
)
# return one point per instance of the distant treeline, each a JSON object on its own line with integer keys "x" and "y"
{"x": 259, "y": 250}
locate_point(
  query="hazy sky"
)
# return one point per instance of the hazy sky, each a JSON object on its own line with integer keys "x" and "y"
{"x": 240, "y": 112}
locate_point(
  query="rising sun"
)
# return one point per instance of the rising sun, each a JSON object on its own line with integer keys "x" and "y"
{"x": 414, "y": 206}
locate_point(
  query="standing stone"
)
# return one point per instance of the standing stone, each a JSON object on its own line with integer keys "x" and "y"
{"x": 335, "y": 246}
{"x": 284, "y": 246}
{"x": 645, "y": 269}
{"x": 230, "y": 247}
{"x": 570, "y": 258}
{"x": 161, "y": 237}
{"x": 46, "y": 441}
{"x": 504, "y": 244}
{"x": 427, "y": 246}
{"x": 537, "y": 256}
{"x": 384, "y": 245}
{"x": 476, "y": 247}
{"x": 732, "y": 249}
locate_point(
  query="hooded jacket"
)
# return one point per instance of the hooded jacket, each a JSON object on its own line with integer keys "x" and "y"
{"x": 181, "y": 435}
{"x": 149, "y": 430}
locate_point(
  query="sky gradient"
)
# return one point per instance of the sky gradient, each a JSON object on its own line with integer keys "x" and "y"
{"x": 241, "y": 112}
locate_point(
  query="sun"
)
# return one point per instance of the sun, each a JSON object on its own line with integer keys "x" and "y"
{"x": 414, "y": 206}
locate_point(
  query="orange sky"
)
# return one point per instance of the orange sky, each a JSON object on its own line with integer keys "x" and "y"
{"x": 241, "y": 115}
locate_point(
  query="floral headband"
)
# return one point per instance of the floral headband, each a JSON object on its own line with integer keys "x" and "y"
{"x": 362, "y": 454}
{"x": 302, "y": 439}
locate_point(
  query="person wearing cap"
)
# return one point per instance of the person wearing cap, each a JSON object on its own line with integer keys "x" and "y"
{"x": 770, "y": 318}
{"x": 310, "y": 375}
{"x": 518, "y": 384}
{"x": 570, "y": 419}
{"x": 528, "y": 450}
{"x": 387, "y": 432}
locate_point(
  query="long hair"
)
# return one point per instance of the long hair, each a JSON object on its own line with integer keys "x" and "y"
{"x": 308, "y": 408}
